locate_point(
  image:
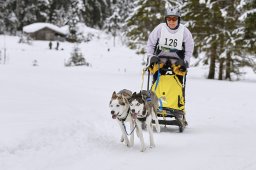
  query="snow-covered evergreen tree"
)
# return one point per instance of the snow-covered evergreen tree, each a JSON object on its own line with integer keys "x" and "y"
{"x": 120, "y": 11}
{"x": 42, "y": 10}
{"x": 95, "y": 12}
{"x": 147, "y": 15}
{"x": 248, "y": 17}
{"x": 29, "y": 15}
{"x": 2, "y": 16}
{"x": 73, "y": 20}
{"x": 217, "y": 32}
{"x": 113, "y": 24}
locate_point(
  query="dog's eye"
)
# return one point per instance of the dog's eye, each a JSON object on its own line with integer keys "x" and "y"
{"x": 131, "y": 104}
{"x": 117, "y": 105}
{"x": 137, "y": 104}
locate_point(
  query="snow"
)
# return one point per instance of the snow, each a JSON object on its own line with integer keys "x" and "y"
{"x": 57, "y": 118}
{"x": 241, "y": 4}
{"x": 244, "y": 15}
{"x": 82, "y": 29}
{"x": 202, "y": 1}
{"x": 38, "y": 26}
{"x": 224, "y": 13}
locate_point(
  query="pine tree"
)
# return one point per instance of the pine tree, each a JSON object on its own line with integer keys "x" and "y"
{"x": 2, "y": 16}
{"x": 115, "y": 23}
{"x": 42, "y": 10}
{"x": 217, "y": 32}
{"x": 249, "y": 18}
{"x": 148, "y": 14}
{"x": 205, "y": 23}
{"x": 231, "y": 45}
{"x": 234, "y": 56}
{"x": 197, "y": 17}
{"x": 74, "y": 19}
{"x": 95, "y": 12}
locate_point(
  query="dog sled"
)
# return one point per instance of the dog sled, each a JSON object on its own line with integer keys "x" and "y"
{"x": 170, "y": 90}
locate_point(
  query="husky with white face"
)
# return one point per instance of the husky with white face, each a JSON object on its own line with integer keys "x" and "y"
{"x": 143, "y": 108}
{"x": 120, "y": 110}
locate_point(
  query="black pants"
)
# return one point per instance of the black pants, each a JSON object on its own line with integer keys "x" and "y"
{"x": 180, "y": 78}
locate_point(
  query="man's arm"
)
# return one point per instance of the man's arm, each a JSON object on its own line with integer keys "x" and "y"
{"x": 189, "y": 45}
{"x": 152, "y": 40}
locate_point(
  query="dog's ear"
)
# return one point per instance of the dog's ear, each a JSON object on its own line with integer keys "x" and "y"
{"x": 134, "y": 94}
{"x": 140, "y": 93}
{"x": 114, "y": 94}
{"x": 143, "y": 96}
{"x": 143, "y": 92}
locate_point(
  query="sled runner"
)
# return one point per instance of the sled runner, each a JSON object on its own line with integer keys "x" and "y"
{"x": 170, "y": 90}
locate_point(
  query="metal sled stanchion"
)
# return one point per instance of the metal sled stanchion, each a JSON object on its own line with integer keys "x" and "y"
{"x": 148, "y": 80}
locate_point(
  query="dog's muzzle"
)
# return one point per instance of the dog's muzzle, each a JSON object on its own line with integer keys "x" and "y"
{"x": 134, "y": 114}
{"x": 113, "y": 114}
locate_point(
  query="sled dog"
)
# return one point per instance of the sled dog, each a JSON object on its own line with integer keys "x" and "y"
{"x": 143, "y": 108}
{"x": 120, "y": 110}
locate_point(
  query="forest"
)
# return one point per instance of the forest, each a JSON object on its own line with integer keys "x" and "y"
{"x": 224, "y": 30}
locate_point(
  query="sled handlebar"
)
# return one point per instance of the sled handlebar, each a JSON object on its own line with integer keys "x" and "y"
{"x": 179, "y": 60}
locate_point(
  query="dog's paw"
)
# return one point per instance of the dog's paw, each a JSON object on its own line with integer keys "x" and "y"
{"x": 127, "y": 144}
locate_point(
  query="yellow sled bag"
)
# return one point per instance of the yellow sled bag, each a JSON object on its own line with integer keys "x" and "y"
{"x": 169, "y": 91}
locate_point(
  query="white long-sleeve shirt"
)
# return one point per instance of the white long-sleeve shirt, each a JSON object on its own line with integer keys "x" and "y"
{"x": 156, "y": 34}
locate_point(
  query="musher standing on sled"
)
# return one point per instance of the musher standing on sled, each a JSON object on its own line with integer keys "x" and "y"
{"x": 171, "y": 39}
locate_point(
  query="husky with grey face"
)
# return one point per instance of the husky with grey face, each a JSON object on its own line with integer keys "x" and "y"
{"x": 144, "y": 107}
{"x": 120, "y": 110}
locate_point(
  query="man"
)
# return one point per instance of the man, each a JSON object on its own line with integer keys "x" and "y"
{"x": 171, "y": 39}
{"x": 50, "y": 45}
{"x": 57, "y": 45}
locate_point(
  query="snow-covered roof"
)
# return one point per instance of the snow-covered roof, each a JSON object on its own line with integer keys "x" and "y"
{"x": 38, "y": 26}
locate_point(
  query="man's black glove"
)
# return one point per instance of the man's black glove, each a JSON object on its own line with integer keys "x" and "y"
{"x": 183, "y": 65}
{"x": 180, "y": 68}
{"x": 183, "y": 68}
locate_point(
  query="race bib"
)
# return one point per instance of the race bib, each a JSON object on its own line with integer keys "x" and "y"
{"x": 169, "y": 41}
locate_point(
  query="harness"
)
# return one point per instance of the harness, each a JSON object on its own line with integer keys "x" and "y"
{"x": 126, "y": 130}
{"x": 148, "y": 99}
{"x": 123, "y": 120}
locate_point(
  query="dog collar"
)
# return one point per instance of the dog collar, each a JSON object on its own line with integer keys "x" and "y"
{"x": 123, "y": 119}
{"x": 148, "y": 99}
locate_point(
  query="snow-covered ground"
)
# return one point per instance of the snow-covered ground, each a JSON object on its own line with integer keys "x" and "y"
{"x": 57, "y": 118}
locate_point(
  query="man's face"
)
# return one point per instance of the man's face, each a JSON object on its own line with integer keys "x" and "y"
{"x": 172, "y": 21}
